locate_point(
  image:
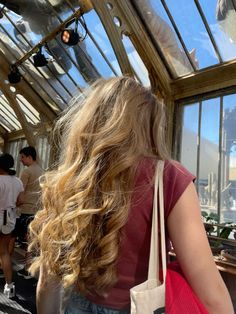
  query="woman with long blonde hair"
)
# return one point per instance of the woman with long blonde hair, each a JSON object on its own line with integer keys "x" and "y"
{"x": 93, "y": 234}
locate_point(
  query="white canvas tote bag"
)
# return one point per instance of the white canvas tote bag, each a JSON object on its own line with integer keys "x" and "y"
{"x": 149, "y": 296}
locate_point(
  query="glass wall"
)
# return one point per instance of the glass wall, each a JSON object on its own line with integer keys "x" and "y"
{"x": 206, "y": 146}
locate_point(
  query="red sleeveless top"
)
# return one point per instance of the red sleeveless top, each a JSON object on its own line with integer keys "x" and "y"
{"x": 132, "y": 266}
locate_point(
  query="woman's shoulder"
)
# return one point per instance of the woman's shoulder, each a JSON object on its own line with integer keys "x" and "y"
{"x": 173, "y": 168}
{"x": 176, "y": 179}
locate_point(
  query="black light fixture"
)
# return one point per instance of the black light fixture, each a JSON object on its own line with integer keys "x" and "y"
{"x": 40, "y": 59}
{"x": 70, "y": 36}
{"x": 14, "y": 76}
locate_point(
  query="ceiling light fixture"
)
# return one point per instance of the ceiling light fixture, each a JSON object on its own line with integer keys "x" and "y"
{"x": 40, "y": 59}
{"x": 70, "y": 36}
{"x": 14, "y": 76}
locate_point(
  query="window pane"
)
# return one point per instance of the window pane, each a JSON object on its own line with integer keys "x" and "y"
{"x": 192, "y": 30}
{"x": 221, "y": 24}
{"x": 99, "y": 34}
{"x": 190, "y": 137}
{"x": 209, "y": 154}
{"x": 228, "y": 161}
{"x": 164, "y": 36}
{"x": 136, "y": 62}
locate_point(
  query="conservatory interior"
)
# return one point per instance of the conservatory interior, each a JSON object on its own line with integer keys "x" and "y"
{"x": 185, "y": 51}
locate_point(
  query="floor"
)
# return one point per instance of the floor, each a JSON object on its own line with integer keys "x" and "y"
{"x": 24, "y": 302}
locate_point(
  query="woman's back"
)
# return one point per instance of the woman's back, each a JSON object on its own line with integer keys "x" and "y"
{"x": 132, "y": 265}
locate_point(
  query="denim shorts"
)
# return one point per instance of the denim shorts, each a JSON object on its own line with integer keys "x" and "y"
{"x": 78, "y": 304}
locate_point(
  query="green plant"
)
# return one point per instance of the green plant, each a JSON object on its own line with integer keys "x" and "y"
{"x": 209, "y": 220}
{"x": 224, "y": 229}
{"x": 227, "y": 229}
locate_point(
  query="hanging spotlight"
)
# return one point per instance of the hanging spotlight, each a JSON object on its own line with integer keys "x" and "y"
{"x": 14, "y": 76}
{"x": 70, "y": 36}
{"x": 40, "y": 59}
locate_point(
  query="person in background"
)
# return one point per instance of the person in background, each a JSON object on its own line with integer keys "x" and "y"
{"x": 30, "y": 199}
{"x": 10, "y": 189}
{"x": 93, "y": 233}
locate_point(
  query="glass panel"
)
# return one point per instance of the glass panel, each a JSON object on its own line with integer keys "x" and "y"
{"x": 189, "y": 139}
{"x": 38, "y": 18}
{"x": 193, "y": 32}
{"x": 209, "y": 155}
{"x": 222, "y": 22}
{"x": 228, "y": 161}
{"x": 100, "y": 36}
{"x": 208, "y": 174}
{"x": 43, "y": 148}
{"x": 136, "y": 62}
{"x": 3, "y": 124}
{"x": 31, "y": 114}
{"x": 164, "y": 35}
{"x": 8, "y": 113}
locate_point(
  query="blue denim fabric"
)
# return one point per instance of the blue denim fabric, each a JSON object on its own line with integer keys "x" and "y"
{"x": 78, "y": 304}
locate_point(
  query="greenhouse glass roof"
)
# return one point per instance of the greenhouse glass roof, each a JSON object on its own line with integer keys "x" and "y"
{"x": 189, "y": 36}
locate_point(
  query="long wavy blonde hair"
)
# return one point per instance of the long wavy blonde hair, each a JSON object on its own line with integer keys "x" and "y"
{"x": 86, "y": 200}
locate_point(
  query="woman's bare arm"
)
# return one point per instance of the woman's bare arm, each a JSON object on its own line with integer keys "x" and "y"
{"x": 187, "y": 233}
{"x": 48, "y": 294}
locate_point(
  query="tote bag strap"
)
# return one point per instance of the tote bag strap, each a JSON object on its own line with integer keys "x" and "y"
{"x": 162, "y": 219}
{"x": 153, "y": 268}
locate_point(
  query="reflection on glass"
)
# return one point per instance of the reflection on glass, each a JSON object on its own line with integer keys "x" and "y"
{"x": 222, "y": 22}
{"x": 100, "y": 36}
{"x": 226, "y": 16}
{"x": 228, "y": 160}
{"x": 164, "y": 35}
{"x": 189, "y": 140}
{"x": 136, "y": 62}
{"x": 192, "y": 30}
{"x": 209, "y": 155}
